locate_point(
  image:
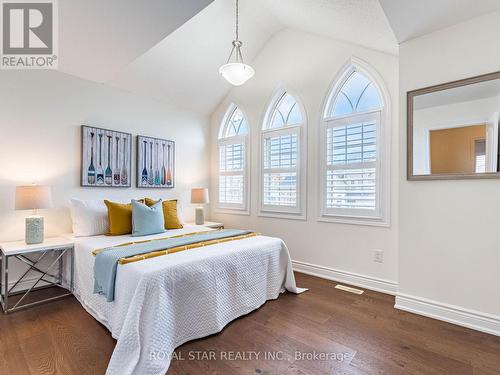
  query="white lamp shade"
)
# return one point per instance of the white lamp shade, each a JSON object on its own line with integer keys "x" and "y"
{"x": 33, "y": 197}
{"x": 236, "y": 73}
{"x": 199, "y": 196}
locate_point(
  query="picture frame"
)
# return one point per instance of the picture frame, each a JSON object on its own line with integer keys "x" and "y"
{"x": 155, "y": 163}
{"x": 106, "y": 158}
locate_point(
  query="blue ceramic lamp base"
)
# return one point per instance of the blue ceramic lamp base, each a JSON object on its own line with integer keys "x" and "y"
{"x": 34, "y": 230}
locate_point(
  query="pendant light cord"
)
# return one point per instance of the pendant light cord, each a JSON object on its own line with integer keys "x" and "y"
{"x": 236, "y": 50}
{"x": 237, "y": 20}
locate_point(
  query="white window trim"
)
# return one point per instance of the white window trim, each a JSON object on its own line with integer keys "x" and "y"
{"x": 382, "y": 218}
{"x": 231, "y": 208}
{"x": 294, "y": 213}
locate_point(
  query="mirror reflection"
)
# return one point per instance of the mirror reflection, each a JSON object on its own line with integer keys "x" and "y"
{"x": 455, "y": 131}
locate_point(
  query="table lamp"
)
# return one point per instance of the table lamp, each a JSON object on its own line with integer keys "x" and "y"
{"x": 33, "y": 197}
{"x": 199, "y": 196}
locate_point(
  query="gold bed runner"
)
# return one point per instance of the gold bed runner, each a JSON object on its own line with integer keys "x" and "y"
{"x": 158, "y": 253}
{"x": 176, "y": 249}
{"x": 97, "y": 251}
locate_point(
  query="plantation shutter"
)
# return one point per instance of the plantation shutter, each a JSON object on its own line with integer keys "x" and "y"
{"x": 232, "y": 172}
{"x": 280, "y": 150}
{"x": 351, "y": 165}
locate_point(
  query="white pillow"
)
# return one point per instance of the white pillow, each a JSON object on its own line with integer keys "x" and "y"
{"x": 90, "y": 218}
{"x": 180, "y": 213}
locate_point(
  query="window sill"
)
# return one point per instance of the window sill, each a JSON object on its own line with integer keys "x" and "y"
{"x": 375, "y": 222}
{"x": 282, "y": 215}
{"x": 232, "y": 211}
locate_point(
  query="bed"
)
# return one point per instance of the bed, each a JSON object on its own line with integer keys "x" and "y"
{"x": 163, "y": 302}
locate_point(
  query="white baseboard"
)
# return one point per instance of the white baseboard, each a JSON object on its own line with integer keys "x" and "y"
{"x": 452, "y": 314}
{"x": 367, "y": 282}
{"x": 449, "y": 313}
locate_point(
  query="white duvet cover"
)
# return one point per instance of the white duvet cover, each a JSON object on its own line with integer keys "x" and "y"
{"x": 163, "y": 302}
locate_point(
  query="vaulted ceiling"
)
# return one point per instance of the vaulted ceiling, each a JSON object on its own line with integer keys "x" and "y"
{"x": 171, "y": 49}
{"x": 183, "y": 68}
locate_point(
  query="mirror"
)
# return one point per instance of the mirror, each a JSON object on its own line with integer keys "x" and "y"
{"x": 453, "y": 129}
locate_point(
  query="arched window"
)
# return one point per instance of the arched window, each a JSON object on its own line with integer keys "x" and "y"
{"x": 358, "y": 94}
{"x": 233, "y": 155}
{"x": 283, "y": 171}
{"x": 353, "y": 149}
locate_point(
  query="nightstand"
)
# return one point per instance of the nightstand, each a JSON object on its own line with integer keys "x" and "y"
{"x": 210, "y": 224}
{"x": 46, "y": 260}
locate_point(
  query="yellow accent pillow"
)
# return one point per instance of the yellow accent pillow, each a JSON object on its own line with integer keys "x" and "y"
{"x": 120, "y": 217}
{"x": 170, "y": 214}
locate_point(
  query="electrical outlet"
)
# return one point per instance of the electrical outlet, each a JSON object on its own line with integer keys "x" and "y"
{"x": 378, "y": 256}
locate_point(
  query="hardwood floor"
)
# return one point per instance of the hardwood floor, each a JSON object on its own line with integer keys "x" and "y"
{"x": 357, "y": 334}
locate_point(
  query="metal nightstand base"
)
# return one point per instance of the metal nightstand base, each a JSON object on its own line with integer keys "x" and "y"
{"x": 49, "y": 279}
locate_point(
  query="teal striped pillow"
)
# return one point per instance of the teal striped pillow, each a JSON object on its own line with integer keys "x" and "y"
{"x": 147, "y": 220}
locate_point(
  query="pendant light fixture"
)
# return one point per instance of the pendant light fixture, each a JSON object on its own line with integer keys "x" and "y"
{"x": 235, "y": 71}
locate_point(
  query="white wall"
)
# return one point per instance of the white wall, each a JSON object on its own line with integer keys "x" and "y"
{"x": 307, "y": 65}
{"x": 40, "y": 117}
{"x": 449, "y": 242}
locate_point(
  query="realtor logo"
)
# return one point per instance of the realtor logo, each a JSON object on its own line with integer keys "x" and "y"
{"x": 29, "y": 34}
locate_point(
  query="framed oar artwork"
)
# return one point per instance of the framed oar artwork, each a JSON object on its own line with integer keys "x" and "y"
{"x": 155, "y": 162}
{"x": 106, "y": 158}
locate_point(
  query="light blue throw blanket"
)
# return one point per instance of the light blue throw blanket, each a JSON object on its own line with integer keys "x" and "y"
{"x": 106, "y": 261}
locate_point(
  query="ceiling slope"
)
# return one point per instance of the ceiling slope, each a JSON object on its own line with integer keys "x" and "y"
{"x": 411, "y": 18}
{"x": 183, "y": 68}
{"x": 97, "y": 38}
